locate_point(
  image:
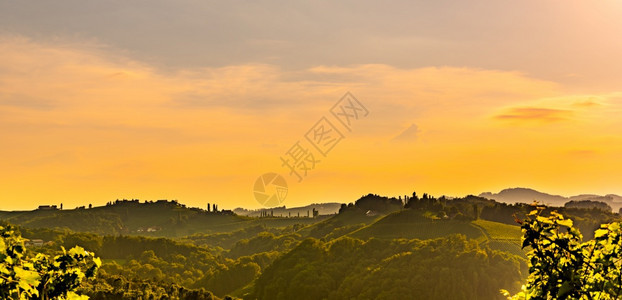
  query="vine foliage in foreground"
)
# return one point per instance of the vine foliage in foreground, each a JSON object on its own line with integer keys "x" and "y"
{"x": 562, "y": 267}
{"x": 41, "y": 276}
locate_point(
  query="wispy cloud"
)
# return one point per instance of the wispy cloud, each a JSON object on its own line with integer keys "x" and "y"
{"x": 535, "y": 114}
{"x": 409, "y": 134}
{"x": 582, "y": 153}
{"x": 591, "y": 102}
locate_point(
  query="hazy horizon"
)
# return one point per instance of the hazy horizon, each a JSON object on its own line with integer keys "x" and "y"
{"x": 257, "y": 206}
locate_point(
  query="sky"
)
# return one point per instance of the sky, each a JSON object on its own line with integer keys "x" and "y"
{"x": 196, "y": 100}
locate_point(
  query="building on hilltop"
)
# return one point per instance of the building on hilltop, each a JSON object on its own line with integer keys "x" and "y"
{"x": 227, "y": 212}
{"x": 48, "y": 207}
{"x": 34, "y": 243}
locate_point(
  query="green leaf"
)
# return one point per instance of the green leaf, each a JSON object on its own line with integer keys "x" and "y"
{"x": 544, "y": 220}
{"x": 29, "y": 277}
{"x": 556, "y": 215}
{"x": 600, "y": 233}
{"x": 565, "y": 222}
{"x": 74, "y": 296}
{"x": 77, "y": 251}
{"x": 97, "y": 261}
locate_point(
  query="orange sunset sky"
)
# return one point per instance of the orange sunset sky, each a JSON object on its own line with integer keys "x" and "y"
{"x": 193, "y": 100}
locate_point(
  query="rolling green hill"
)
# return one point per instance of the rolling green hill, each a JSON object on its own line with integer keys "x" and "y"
{"x": 161, "y": 218}
{"x": 501, "y": 236}
{"x": 338, "y": 225}
{"x": 411, "y": 224}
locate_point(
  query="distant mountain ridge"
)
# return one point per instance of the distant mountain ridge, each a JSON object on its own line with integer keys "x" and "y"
{"x": 527, "y": 195}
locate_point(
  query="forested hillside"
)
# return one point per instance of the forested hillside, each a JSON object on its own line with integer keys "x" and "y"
{"x": 442, "y": 268}
{"x": 375, "y": 248}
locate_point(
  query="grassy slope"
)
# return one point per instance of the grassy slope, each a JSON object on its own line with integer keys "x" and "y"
{"x": 499, "y": 231}
{"x": 501, "y": 236}
{"x": 338, "y": 225}
{"x": 411, "y": 224}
